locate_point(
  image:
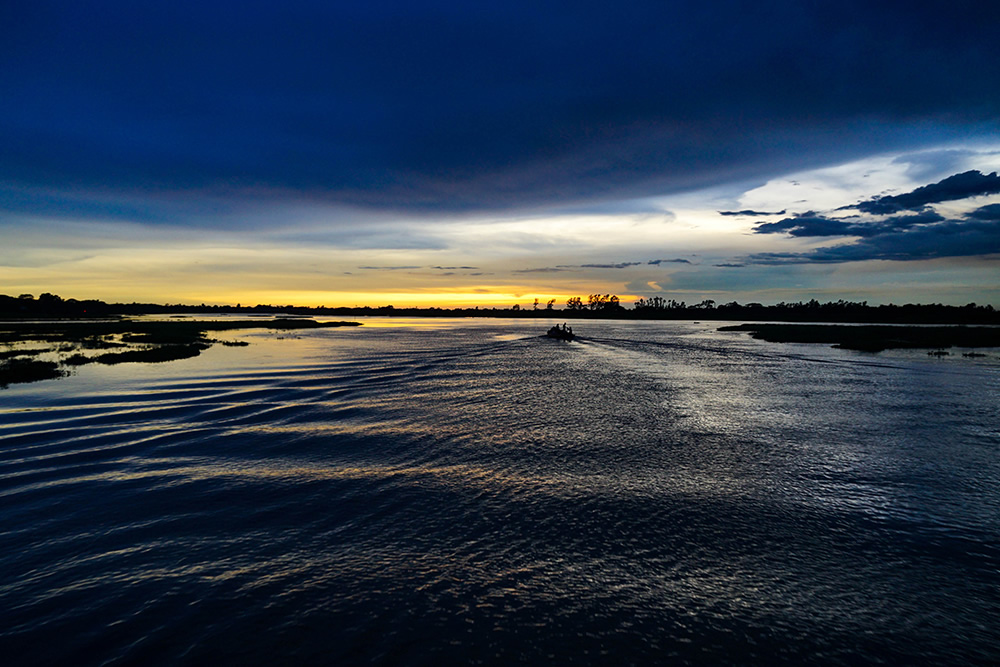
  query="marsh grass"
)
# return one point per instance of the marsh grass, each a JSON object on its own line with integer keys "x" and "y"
{"x": 28, "y": 370}
{"x": 133, "y": 342}
{"x": 23, "y": 352}
{"x": 874, "y": 338}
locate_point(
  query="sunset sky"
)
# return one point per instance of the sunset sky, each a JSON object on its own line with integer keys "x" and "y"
{"x": 457, "y": 153}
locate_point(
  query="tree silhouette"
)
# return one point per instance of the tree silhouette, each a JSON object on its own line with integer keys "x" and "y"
{"x": 603, "y": 302}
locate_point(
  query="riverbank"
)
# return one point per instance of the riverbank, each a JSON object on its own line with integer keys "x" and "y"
{"x": 75, "y": 343}
{"x": 874, "y": 338}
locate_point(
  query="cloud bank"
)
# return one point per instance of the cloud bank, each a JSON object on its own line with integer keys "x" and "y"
{"x": 445, "y": 107}
{"x": 925, "y": 234}
{"x": 960, "y": 186}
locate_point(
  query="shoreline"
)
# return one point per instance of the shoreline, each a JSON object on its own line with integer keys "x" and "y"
{"x": 875, "y": 338}
{"x": 117, "y": 341}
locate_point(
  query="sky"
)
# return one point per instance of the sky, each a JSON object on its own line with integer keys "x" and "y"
{"x": 461, "y": 154}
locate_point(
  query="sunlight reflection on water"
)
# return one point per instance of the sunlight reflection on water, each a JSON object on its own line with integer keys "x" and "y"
{"x": 430, "y": 492}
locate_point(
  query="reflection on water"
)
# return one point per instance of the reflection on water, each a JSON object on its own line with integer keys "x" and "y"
{"x": 458, "y": 491}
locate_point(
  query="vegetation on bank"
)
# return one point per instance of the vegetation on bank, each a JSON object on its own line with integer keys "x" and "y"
{"x": 595, "y": 306}
{"x": 118, "y": 340}
{"x": 162, "y": 332}
{"x": 17, "y": 369}
{"x": 874, "y": 338}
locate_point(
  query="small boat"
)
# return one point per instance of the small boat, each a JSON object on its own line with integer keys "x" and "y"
{"x": 561, "y": 333}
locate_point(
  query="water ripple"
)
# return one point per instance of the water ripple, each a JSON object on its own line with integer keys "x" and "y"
{"x": 652, "y": 493}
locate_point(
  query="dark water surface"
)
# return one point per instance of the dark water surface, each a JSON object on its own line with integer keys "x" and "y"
{"x": 466, "y": 491}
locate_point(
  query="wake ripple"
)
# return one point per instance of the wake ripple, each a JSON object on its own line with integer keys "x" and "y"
{"x": 422, "y": 497}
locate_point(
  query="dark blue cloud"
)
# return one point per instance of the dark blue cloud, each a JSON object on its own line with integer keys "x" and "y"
{"x": 810, "y": 224}
{"x": 807, "y": 225}
{"x": 954, "y": 238}
{"x": 976, "y": 234}
{"x": 619, "y": 265}
{"x": 451, "y": 106}
{"x": 610, "y": 265}
{"x": 989, "y": 212}
{"x": 749, "y": 212}
{"x": 906, "y": 221}
{"x": 925, "y": 234}
{"x": 960, "y": 186}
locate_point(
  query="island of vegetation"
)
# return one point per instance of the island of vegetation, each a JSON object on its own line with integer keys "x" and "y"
{"x": 868, "y": 338}
{"x": 77, "y": 342}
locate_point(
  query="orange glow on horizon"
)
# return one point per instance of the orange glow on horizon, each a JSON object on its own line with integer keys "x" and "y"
{"x": 459, "y": 299}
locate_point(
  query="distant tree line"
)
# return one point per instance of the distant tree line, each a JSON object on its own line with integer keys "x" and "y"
{"x": 596, "y": 306}
{"x": 814, "y": 311}
{"x": 50, "y": 305}
{"x": 599, "y": 303}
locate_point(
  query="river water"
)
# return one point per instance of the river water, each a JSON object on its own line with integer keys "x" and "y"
{"x": 426, "y": 492}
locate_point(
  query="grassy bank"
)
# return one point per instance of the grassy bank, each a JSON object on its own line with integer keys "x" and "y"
{"x": 874, "y": 338}
{"x": 117, "y": 341}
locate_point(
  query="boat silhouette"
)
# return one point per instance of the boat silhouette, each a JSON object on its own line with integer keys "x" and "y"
{"x": 561, "y": 333}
